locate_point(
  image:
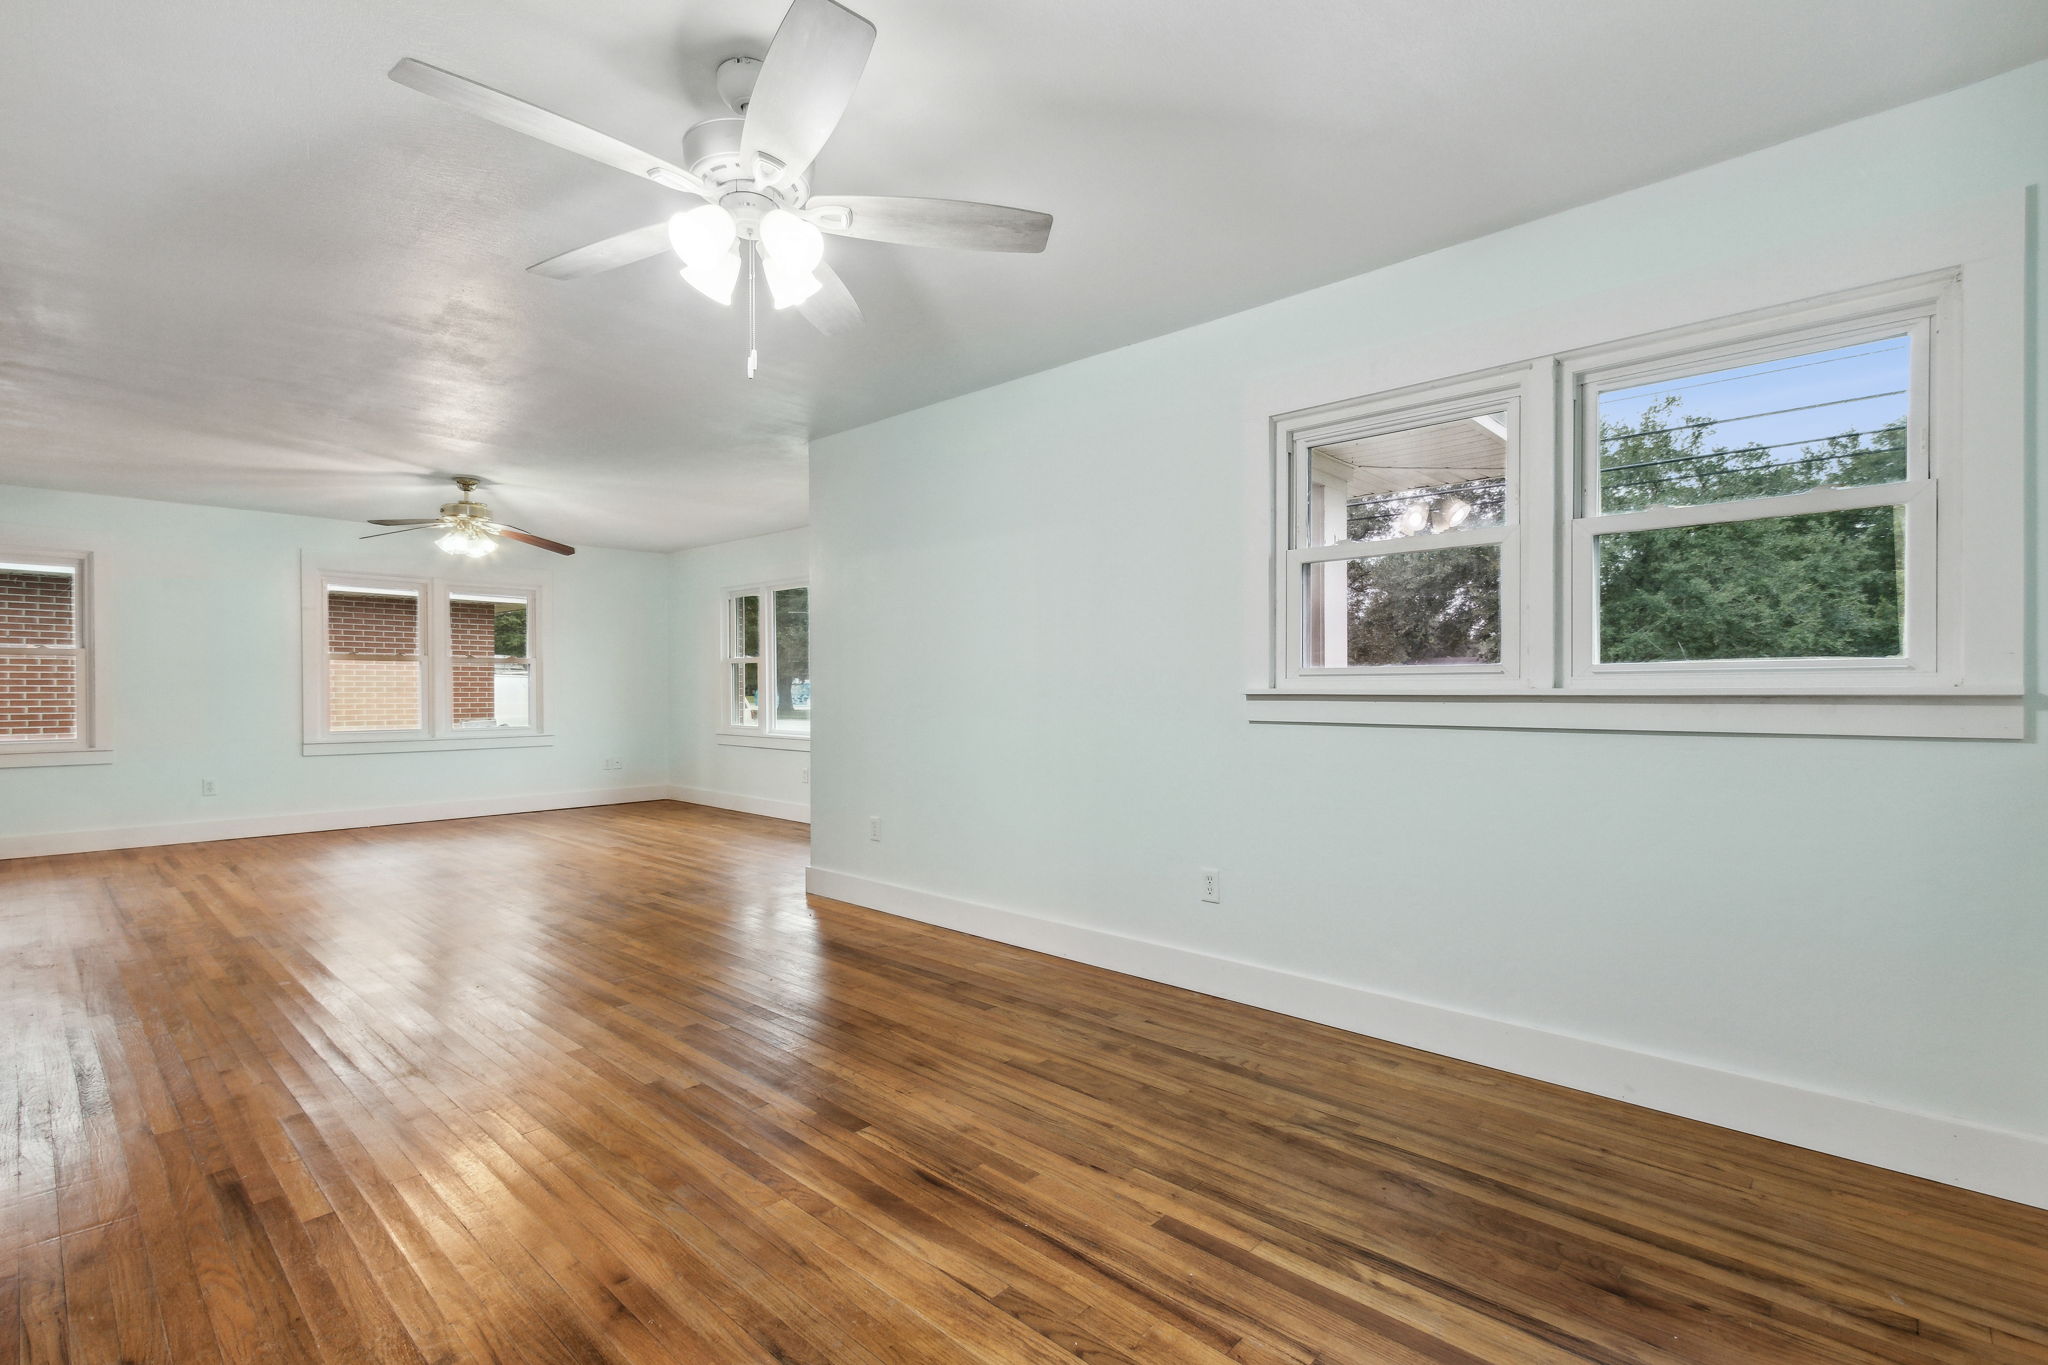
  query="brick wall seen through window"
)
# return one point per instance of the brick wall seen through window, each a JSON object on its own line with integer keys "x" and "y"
{"x": 490, "y": 675}
{"x": 38, "y": 692}
{"x": 367, "y": 688}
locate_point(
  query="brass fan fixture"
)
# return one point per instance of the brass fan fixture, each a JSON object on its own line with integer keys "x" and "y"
{"x": 468, "y": 526}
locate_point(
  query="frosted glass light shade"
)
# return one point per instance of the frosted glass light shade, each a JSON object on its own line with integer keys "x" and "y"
{"x": 702, "y": 234}
{"x": 792, "y": 241}
{"x": 715, "y": 278}
{"x": 787, "y": 284}
{"x": 472, "y": 544}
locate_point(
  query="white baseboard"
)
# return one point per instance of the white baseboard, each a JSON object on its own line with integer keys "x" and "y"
{"x": 253, "y": 826}
{"x": 1992, "y": 1161}
{"x": 799, "y": 811}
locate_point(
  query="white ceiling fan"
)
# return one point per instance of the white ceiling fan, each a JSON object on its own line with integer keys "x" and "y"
{"x": 752, "y": 171}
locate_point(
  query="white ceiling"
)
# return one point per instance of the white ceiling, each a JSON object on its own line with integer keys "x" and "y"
{"x": 238, "y": 266}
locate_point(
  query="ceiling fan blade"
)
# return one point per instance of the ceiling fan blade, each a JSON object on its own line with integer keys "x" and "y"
{"x": 529, "y": 538}
{"x": 403, "y": 521}
{"x": 609, "y": 254}
{"x": 400, "y": 531}
{"x": 806, "y": 81}
{"x": 831, "y": 310}
{"x": 536, "y": 122}
{"x": 930, "y": 222}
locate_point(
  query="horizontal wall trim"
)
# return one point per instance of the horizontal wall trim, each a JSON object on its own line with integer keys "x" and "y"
{"x": 1992, "y": 1161}
{"x": 55, "y": 758}
{"x": 308, "y": 822}
{"x": 799, "y": 811}
{"x": 1951, "y": 716}
{"x": 327, "y": 748}
{"x": 799, "y": 743}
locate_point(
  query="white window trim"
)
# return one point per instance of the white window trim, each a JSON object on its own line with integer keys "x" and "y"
{"x": 94, "y": 741}
{"x": 438, "y": 734}
{"x": 763, "y": 735}
{"x": 1966, "y": 268}
{"x": 1506, "y": 392}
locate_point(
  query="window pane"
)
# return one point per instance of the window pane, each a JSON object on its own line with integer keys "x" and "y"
{"x": 1421, "y": 481}
{"x": 365, "y": 622}
{"x": 1826, "y": 419}
{"x": 746, "y": 626}
{"x": 492, "y": 693}
{"x": 373, "y": 694}
{"x": 486, "y": 627}
{"x": 492, "y": 678}
{"x": 793, "y": 660}
{"x": 38, "y": 697}
{"x": 1826, "y": 585}
{"x": 1424, "y": 607}
{"x": 746, "y": 694}
{"x": 37, "y": 607}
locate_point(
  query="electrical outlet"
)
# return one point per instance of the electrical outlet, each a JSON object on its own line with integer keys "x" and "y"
{"x": 875, "y": 828}
{"x": 206, "y": 787}
{"x": 612, "y": 765}
{"x": 1212, "y": 886}
{"x": 807, "y": 777}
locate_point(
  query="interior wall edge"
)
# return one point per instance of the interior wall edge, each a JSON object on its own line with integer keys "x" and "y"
{"x": 312, "y": 822}
{"x": 2006, "y": 1165}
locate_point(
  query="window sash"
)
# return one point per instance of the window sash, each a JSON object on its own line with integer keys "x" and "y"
{"x": 732, "y": 660}
{"x": 1758, "y": 343}
{"x": 419, "y": 591}
{"x": 89, "y": 729}
{"x": 449, "y": 591}
{"x": 1917, "y": 323}
{"x": 1503, "y": 393}
{"x": 736, "y": 658}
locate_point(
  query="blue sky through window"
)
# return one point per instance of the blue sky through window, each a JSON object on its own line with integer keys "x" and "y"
{"x": 1788, "y": 403}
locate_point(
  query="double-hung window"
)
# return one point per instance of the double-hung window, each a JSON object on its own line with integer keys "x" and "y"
{"x": 1799, "y": 519}
{"x": 1761, "y": 510}
{"x": 396, "y": 662}
{"x": 1405, "y": 537}
{"x": 767, "y": 665}
{"x": 48, "y": 663}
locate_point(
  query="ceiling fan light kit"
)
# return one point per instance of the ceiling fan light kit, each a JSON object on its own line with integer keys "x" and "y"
{"x": 467, "y": 528}
{"x": 751, "y": 170}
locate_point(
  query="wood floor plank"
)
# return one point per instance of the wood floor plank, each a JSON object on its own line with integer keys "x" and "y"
{"x": 603, "y": 1087}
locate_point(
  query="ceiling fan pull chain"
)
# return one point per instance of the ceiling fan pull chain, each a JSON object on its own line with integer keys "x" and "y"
{"x": 753, "y": 340}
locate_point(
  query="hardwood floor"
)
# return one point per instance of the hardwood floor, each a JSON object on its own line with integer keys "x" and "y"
{"x": 599, "y": 1085}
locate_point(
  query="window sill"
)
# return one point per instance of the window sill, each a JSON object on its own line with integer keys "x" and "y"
{"x": 328, "y": 747}
{"x": 754, "y": 740}
{"x": 1945, "y": 716}
{"x": 54, "y": 758}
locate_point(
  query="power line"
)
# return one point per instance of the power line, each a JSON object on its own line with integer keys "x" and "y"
{"x": 1755, "y": 469}
{"x": 1747, "y": 417}
{"x": 1803, "y": 441}
{"x": 1731, "y": 378}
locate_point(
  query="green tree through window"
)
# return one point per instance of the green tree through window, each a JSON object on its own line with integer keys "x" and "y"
{"x": 1818, "y": 585}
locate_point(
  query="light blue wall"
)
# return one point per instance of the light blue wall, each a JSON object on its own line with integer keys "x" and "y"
{"x": 1032, "y": 608}
{"x": 204, "y": 639}
{"x": 707, "y": 766}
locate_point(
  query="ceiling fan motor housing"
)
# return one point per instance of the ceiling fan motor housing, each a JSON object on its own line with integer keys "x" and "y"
{"x": 711, "y": 152}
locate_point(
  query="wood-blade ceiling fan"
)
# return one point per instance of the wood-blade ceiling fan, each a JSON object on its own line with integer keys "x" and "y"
{"x": 470, "y": 529}
{"x": 751, "y": 171}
